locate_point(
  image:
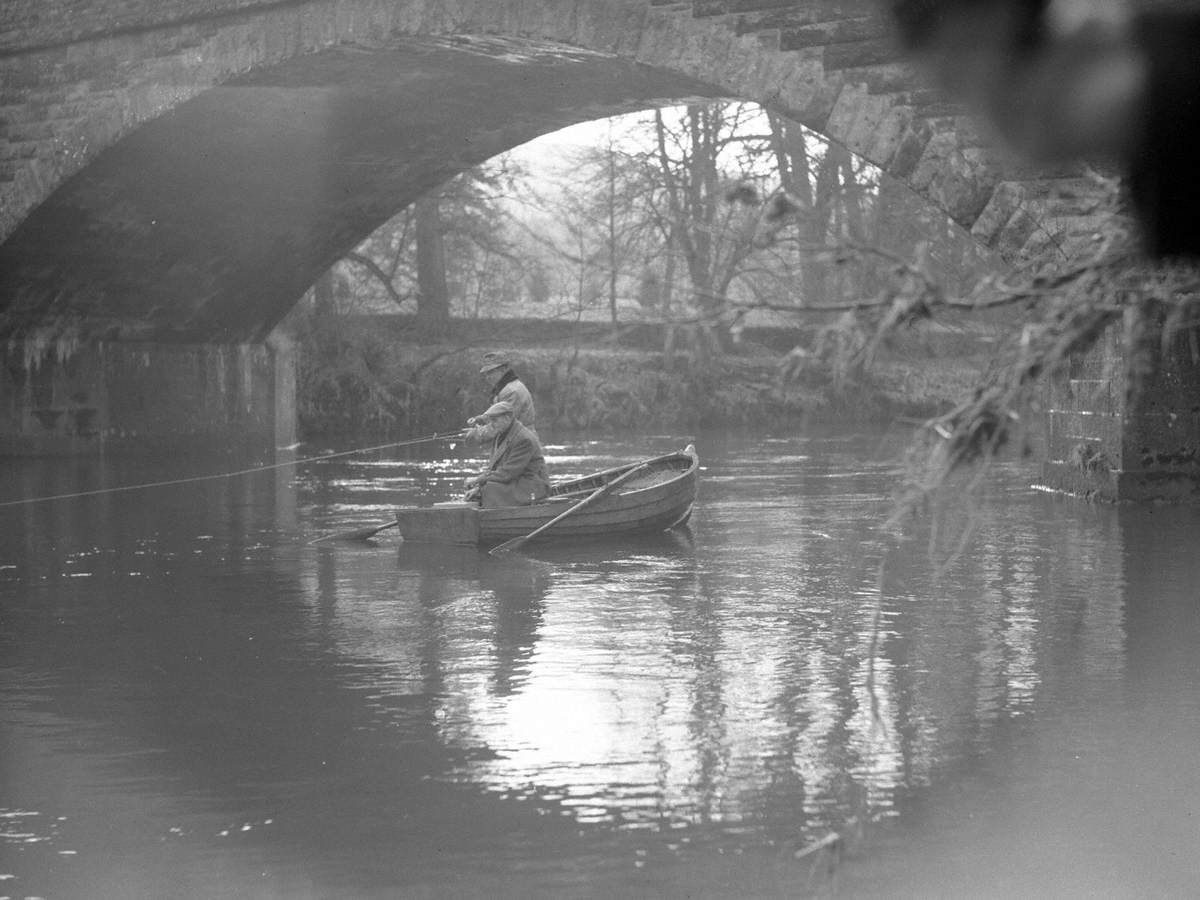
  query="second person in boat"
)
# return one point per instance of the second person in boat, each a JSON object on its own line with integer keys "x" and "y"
{"x": 516, "y": 471}
{"x": 506, "y": 387}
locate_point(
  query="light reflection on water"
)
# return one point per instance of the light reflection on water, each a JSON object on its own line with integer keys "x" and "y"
{"x": 197, "y": 701}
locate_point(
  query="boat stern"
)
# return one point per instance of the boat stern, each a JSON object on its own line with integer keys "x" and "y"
{"x": 453, "y": 523}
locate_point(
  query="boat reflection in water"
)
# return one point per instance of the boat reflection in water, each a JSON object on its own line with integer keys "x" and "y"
{"x": 504, "y": 598}
{"x": 516, "y": 586}
{"x": 535, "y": 668}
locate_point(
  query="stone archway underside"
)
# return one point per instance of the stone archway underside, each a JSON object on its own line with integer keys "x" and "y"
{"x": 207, "y": 223}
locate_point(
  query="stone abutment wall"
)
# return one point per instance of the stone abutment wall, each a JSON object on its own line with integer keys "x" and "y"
{"x": 1110, "y": 440}
{"x": 148, "y": 398}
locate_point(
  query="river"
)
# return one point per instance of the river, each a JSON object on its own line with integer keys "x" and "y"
{"x": 781, "y": 700}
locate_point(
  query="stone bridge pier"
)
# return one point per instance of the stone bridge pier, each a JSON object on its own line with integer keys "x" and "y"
{"x": 1112, "y": 441}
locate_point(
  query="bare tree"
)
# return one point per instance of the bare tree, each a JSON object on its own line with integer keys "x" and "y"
{"x": 433, "y": 303}
{"x": 449, "y": 247}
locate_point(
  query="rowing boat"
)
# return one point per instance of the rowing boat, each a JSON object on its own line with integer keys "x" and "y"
{"x": 649, "y": 495}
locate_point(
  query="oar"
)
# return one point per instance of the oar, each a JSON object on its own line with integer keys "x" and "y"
{"x": 591, "y": 498}
{"x": 360, "y": 534}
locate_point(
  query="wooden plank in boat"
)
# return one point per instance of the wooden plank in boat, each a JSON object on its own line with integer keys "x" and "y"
{"x": 453, "y": 522}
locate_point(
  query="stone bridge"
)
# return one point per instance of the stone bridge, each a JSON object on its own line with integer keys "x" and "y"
{"x": 174, "y": 174}
{"x": 183, "y": 171}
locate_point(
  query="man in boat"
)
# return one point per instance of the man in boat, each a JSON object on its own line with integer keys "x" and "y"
{"x": 516, "y": 472}
{"x": 506, "y": 387}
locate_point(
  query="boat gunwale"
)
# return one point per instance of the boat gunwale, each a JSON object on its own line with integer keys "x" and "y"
{"x": 660, "y": 502}
{"x": 608, "y": 474}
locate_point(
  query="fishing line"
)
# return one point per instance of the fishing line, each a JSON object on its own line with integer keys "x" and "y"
{"x": 234, "y": 474}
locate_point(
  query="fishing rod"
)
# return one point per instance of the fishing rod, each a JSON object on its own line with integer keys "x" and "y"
{"x": 362, "y": 534}
{"x": 175, "y": 481}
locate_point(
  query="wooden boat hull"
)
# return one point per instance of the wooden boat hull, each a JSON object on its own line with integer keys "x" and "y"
{"x": 654, "y": 499}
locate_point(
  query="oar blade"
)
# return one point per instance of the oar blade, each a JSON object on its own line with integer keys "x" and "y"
{"x": 511, "y": 544}
{"x": 360, "y": 534}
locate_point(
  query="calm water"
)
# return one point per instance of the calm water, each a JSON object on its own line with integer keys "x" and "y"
{"x": 196, "y": 701}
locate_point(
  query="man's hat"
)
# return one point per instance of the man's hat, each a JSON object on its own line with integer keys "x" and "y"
{"x": 493, "y": 360}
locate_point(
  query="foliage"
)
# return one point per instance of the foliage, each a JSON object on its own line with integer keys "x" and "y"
{"x": 369, "y": 381}
{"x": 382, "y": 273}
{"x": 1065, "y": 310}
{"x": 347, "y": 378}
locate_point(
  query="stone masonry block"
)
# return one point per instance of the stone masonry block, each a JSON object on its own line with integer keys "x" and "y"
{"x": 910, "y": 148}
{"x": 839, "y": 31}
{"x": 726, "y": 7}
{"x": 856, "y": 55}
{"x": 939, "y": 155}
{"x": 1095, "y": 394}
{"x": 867, "y": 124}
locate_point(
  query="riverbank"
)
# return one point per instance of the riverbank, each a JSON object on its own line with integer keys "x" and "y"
{"x": 365, "y": 380}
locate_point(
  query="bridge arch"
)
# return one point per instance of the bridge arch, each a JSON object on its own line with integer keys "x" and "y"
{"x": 183, "y": 171}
